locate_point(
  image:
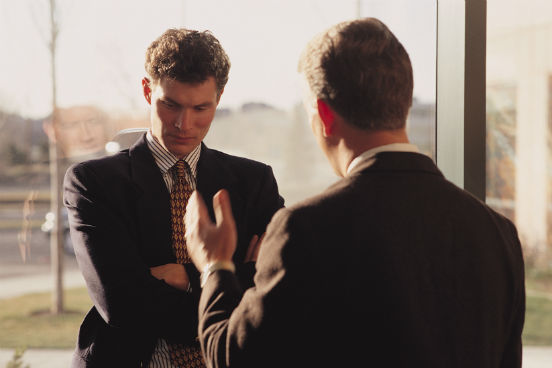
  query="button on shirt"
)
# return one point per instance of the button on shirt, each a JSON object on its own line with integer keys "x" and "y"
{"x": 165, "y": 160}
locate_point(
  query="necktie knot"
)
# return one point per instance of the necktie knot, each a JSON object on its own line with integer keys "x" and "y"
{"x": 180, "y": 168}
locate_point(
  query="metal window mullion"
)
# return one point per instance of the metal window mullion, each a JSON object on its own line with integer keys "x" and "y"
{"x": 461, "y": 89}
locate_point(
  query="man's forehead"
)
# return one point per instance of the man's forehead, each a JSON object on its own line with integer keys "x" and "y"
{"x": 187, "y": 93}
{"x": 77, "y": 113}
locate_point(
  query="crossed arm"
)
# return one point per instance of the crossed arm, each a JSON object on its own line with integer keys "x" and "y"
{"x": 120, "y": 283}
{"x": 175, "y": 274}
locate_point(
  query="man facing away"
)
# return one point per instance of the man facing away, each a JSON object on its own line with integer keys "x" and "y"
{"x": 393, "y": 266}
{"x": 126, "y": 215}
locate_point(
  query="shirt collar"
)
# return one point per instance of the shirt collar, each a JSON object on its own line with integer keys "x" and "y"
{"x": 367, "y": 158}
{"x": 165, "y": 159}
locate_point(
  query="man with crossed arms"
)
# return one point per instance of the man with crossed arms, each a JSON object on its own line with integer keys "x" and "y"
{"x": 126, "y": 224}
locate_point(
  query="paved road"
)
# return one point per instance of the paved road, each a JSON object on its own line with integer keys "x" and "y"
{"x": 38, "y": 282}
{"x": 32, "y": 274}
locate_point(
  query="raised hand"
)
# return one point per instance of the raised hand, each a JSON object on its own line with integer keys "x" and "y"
{"x": 208, "y": 242}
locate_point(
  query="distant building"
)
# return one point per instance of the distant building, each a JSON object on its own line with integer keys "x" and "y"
{"x": 421, "y": 126}
{"x": 253, "y": 106}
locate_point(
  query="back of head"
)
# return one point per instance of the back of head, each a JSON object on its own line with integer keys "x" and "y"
{"x": 363, "y": 72}
{"x": 187, "y": 56}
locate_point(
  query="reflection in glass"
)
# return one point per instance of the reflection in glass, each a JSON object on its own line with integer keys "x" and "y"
{"x": 81, "y": 132}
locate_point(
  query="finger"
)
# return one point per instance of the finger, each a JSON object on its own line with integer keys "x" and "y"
{"x": 262, "y": 237}
{"x": 156, "y": 272}
{"x": 196, "y": 211}
{"x": 258, "y": 247}
{"x": 223, "y": 209}
{"x": 251, "y": 248}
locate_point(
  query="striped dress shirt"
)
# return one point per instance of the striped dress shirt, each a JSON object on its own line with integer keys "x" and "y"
{"x": 165, "y": 160}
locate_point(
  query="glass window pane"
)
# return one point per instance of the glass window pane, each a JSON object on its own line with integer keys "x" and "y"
{"x": 518, "y": 125}
{"x": 519, "y": 175}
{"x": 98, "y": 65}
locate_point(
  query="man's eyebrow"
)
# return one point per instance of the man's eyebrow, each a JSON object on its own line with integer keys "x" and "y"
{"x": 206, "y": 103}
{"x": 170, "y": 100}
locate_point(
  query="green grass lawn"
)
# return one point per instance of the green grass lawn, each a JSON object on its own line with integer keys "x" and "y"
{"x": 25, "y": 321}
{"x": 538, "y": 321}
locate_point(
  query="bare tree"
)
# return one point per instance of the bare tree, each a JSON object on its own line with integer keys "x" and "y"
{"x": 56, "y": 236}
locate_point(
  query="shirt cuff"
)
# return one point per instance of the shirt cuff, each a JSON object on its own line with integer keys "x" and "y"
{"x": 216, "y": 266}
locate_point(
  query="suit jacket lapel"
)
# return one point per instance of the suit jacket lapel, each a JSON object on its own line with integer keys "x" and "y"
{"x": 152, "y": 206}
{"x": 213, "y": 175}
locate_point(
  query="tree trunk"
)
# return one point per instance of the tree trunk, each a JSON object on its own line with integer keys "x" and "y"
{"x": 56, "y": 236}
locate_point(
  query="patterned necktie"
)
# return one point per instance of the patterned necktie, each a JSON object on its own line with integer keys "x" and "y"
{"x": 185, "y": 356}
{"x": 180, "y": 193}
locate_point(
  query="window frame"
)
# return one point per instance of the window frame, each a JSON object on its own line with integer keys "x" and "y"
{"x": 461, "y": 90}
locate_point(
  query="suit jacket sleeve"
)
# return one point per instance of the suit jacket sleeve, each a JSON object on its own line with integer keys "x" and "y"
{"x": 267, "y": 202}
{"x": 263, "y": 204}
{"x": 120, "y": 284}
{"x": 248, "y": 331}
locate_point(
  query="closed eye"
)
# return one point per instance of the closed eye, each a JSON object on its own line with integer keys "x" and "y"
{"x": 201, "y": 107}
{"x": 169, "y": 104}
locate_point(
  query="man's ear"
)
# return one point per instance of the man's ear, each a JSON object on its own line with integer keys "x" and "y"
{"x": 219, "y": 95}
{"x": 48, "y": 128}
{"x": 327, "y": 115}
{"x": 146, "y": 88}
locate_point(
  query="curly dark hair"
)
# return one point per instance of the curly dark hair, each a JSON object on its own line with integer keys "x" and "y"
{"x": 363, "y": 72}
{"x": 187, "y": 56}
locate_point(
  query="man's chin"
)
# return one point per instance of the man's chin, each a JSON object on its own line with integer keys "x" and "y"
{"x": 181, "y": 151}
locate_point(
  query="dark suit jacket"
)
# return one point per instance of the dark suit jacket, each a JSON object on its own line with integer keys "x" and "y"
{"x": 393, "y": 266}
{"x": 119, "y": 213}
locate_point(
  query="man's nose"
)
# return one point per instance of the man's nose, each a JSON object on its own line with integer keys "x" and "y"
{"x": 85, "y": 131}
{"x": 184, "y": 120}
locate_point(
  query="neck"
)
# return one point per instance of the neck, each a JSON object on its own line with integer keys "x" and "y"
{"x": 355, "y": 142}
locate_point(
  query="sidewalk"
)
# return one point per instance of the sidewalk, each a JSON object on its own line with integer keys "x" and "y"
{"x": 39, "y": 358}
{"x": 533, "y": 357}
{"x": 537, "y": 357}
{"x": 36, "y": 283}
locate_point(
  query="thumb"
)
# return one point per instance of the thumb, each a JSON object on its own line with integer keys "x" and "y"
{"x": 195, "y": 210}
{"x": 223, "y": 209}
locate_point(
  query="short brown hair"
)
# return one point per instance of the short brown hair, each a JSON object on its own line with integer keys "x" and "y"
{"x": 362, "y": 71}
{"x": 187, "y": 56}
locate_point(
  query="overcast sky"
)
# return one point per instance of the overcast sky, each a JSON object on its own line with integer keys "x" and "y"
{"x": 102, "y": 44}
